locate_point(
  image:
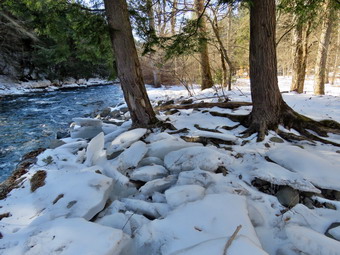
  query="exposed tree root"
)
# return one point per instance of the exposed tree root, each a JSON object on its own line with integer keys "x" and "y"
{"x": 228, "y": 105}
{"x": 235, "y": 118}
{"x": 292, "y": 120}
{"x": 206, "y": 140}
{"x": 206, "y": 129}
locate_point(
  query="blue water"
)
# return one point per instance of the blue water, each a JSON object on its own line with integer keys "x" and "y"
{"x": 31, "y": 121}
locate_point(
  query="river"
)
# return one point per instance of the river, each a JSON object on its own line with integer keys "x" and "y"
{"x": 31, "y": 121}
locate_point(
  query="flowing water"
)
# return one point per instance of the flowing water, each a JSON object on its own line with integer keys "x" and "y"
{"x": 31, "y": 121}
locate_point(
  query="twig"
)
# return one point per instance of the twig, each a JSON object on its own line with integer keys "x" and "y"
{"x": 128, "y": 220}
{"x": 231, "y": 239}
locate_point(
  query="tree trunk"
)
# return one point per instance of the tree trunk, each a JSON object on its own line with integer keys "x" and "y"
{"x": 265, "y": 93}
{"x": 301, "y": 36}
{"x": 298, "y": 59}
{"x": 335, "y": 63}
{"x": 320, "y": 66}
{"x": 129, "y": 71}
{"x": 224, "y": 70}
{"x": 207, "y": 81}
{"x": 173, "y": 16}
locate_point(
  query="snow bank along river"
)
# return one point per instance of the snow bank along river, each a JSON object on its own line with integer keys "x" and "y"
{"x": 30, "y": 121}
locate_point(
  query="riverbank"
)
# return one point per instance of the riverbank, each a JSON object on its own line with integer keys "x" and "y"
{"x": 9, "y": 86}
{"x": 198, "y": 188}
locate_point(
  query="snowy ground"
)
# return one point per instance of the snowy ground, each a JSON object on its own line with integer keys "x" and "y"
{"x": 151, "y": 192}
{"x": 11, "y": 87}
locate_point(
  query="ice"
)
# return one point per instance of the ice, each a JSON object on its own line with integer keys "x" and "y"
{"x": 154, "y": 210}
{"x": 95, "y": 150}
{"x": 309, "y": 241}
{"x": 203, "y": 158}
{"x": 310, "y": 166}
{"x": 148, "y": 173}
{"x": 125, "y": 139}
{"x": 162, "y": 147}
{"x": 158, "y": 185}
{"x": 278, "y": 175}
{"x": 179, "y": 195}
{"x": 132, "y": 156}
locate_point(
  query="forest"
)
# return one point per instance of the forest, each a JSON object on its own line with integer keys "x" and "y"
{"x": 219, "y": 135}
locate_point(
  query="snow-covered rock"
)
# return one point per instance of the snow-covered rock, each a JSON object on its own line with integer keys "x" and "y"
{"x": 310, "y": 166}
{"x": 279, "y": 175}
{"x": 216, "y": 216}
{"x": 65, "y": 237}
{"x": 203, "y": 158}
{"x": 87, "y": 122}
{"x": 148, "y": 173}
{"x": 309, "y": 241}
{"x": 179, "y": 195}
{"x": 117, "y": 221}
{"x": 197, "y": 177}
{"x": 62, "y": 194}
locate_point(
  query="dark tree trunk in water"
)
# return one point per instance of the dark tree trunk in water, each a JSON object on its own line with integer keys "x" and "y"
{"x": 207, "y": 81}
{"x": 265, "y": 93}
{"x": 129, "y": 71}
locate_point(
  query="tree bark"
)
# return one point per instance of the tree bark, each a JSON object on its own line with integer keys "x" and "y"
{"x": 129, "y": 71}
{"x": 320, "y": 66}
{"x": 173, "y": 16}
{"x": 207, "y": 81}
{"x": 335, "y": 64}
{"x": 301, "y": 36}
{"x": 298, "y": 58}
{"x": 265, "y": 93}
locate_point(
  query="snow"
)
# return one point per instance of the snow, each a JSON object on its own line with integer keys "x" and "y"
{"x": 309, "y": 165}
{"x": 312, "y": 242}
{"x": 203, "y": 158}
{"x": 118, "y": 190}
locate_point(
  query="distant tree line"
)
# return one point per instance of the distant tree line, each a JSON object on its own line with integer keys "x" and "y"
{"x": 53, "y": 40}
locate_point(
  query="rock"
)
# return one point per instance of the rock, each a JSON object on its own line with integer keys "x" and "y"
{"x": 158, "y": 185}
{"x": 337, "y": 195}
{"x": 276, "y": 140}
{"x": 179, "y": 195}
{"x": 63, "y": 134}
{"x": 114, "y": 114}
{"x": 56, "y": 143}
{"x": 168, "y": 102}
{"x": 105, "y": 112}
{"x": 124, "y": 109}
{"x": 308, "y": 202}
{"x": 114, "y": 155}
{"x": 38, "y": 180}
{"x": 288, "y": 196}
{"x": 148, "y": 173}
{"x": 333, "y": 231}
